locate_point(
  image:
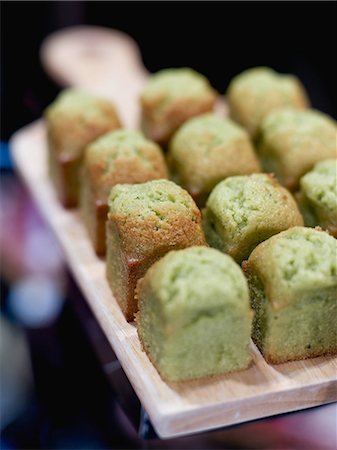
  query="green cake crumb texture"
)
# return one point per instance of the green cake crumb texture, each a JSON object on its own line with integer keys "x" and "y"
{"x": 156, "y": 216}
{"x": 292, "y": 142}
{"x": 243, "y": 211}
{"x": 293, "y": 286}
{"x": 296, "y": 261}
{"x": 195, "y": 318}
{"x": 123, "y": 155}
{"x": 141, "y": 200}
{"x": 255, "y": 92}
{"x": 176, "y": 83}
{"x": 119, "y": 143}
{"x": 80, "y": 115}
{"x": 319, "y": 188}
{"x": 300, "y": 123}
{"x": 207, "y": 149}
{"x": 208, "y": 130}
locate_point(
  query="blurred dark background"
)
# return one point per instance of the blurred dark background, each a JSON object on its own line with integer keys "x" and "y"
{"x": 219, "y": 39}
{"x": 61, "y": 386}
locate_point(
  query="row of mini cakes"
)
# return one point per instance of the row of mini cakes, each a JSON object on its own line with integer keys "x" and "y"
{"x": 145, "y": 221}
{"x": 74, "y": 120}
{"x": 195, "y": 318}
{"x": 207, "y": 149}
{"x": 118, "y": 157}
{"x": 269, "y": 107}
{"x": 243, "y": 211}
{"x": 173, "y": 96}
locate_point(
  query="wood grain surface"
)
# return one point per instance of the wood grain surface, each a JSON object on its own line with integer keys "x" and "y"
{"x": 174, "y": 409}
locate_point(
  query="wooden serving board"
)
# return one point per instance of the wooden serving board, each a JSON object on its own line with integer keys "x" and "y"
{"x": 174, "y": 409}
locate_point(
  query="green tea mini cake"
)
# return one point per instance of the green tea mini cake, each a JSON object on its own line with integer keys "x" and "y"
{"x": 243, "y": 211}
{"x": 207, "y": 149}
{"x": 292, "y": 142}
{"x": 256, "y": 92}
{"x": 293, "y": 283}
{"x": 170, "y": 98}
{"x": 194, "y": 316}
{"x": 73, "y": 121}
{"x": 318, "y": 196}
{"x": 121, "y": 156}
{"x": 145, "y": 221}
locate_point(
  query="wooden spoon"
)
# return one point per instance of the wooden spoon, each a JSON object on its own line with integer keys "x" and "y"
{"x": 101, "y": 61}
{"x": 98, "y": 60}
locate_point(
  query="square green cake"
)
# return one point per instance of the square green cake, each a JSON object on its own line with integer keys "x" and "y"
{"x": 145, "y": 221}
{"x": 194, "y": 316}
{"x": 293, "y": 284}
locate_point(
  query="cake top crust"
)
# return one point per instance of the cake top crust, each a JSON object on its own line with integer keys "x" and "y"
{"x": 294, "y": 263}
{"x": 208, "y": 148}
{"x": 122, "y": 156}
{"x": 300, "y": 124}
{"x": 154, "y": 215}
{"x": 170, "y": 84}
{"x": 263, "y": 79}
{"x": 255, "y": 92}
{"x": 320, "y": 185}
{"x": 252, "y": 202}
{"x": 199, "y": 279}
{"x": 76, "y": 118}
{"x": 208, "y": 131}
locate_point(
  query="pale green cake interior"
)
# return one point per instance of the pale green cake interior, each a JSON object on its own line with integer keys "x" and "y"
{"x": 319, "y": 191}
{"x": 293, "y": 290}
{"x": 195, "y": 318}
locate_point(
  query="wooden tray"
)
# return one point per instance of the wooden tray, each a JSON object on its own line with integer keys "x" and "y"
{"x": 260, "y": 391}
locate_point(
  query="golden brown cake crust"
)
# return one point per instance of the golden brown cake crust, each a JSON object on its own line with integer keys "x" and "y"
{"x": 128, "y": 169}
{"x": 256, "y": 92}
{"x": 70, "y": 130}
{"x": 208, "y": 149}
{"x": 172, "y": 96}
{"x": 142, "y": 238}
{"x": 291, "y": 142}
{"x": 161, "y": 130}
{"x": 138, "y": 234}
{"x": 273, "y": 359}
{"x": 118, "y": 157}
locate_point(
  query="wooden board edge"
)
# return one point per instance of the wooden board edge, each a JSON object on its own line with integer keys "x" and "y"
{"x": 168, "y": 424}
{"x": 271, "y": 404}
